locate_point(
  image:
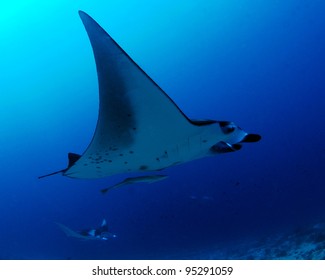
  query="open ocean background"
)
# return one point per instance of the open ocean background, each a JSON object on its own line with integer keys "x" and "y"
{"x": 258, "y": 63}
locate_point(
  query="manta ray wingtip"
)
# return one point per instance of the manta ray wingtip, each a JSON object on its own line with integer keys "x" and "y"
{"x": 81, "y": 13}
{"x": 84, "y": 16}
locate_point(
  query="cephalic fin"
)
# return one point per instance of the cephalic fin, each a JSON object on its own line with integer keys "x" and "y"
{"x": 104, "y": 223}
{"x": 224, "y": 147}
{"x": 250, "y": 138}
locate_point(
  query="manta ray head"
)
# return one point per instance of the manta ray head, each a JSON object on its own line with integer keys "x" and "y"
{"x": 233, "y": 137}
{"x": 237, "y": 135}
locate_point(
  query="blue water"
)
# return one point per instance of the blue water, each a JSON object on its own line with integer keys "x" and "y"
{"x": 260, "y": 64}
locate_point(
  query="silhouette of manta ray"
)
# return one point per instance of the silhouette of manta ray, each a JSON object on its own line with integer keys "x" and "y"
{"x": 100, "y": 233}
{"x": 139, "y": 127}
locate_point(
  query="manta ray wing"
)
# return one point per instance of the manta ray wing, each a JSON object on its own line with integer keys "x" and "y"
{"x": 139, "y": 127}
{"x": 71, "y": 233}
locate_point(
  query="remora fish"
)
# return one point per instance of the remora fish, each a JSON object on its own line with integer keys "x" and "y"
{"x": 134, "y": 180}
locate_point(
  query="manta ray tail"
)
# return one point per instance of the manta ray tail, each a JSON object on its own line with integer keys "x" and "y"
{"x": 72, "y": 160}
{"x": 50, "y": 174}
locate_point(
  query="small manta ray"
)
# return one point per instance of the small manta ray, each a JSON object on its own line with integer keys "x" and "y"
{"x": 139, "y": 127}
{"x": 134, "y": 180}
{"x": 100, "y": 233}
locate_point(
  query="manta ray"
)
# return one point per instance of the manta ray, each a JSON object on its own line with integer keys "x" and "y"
{"x": 139, "y": 127}
{"x": 100, "y": 233}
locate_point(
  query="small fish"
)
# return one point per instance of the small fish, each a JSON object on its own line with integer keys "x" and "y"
{"x": 134, "y": 180}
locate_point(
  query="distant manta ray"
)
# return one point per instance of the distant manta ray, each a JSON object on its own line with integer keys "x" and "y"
{"x": 100, "y": 233}
{"x": 139, "y": 127}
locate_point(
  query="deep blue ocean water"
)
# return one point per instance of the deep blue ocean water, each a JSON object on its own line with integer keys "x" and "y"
{"x": 260, "y": 64}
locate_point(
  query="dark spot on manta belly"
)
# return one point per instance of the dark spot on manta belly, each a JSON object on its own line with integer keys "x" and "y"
{"x": 165, "y": 155}
{"x": 143, "y": 167}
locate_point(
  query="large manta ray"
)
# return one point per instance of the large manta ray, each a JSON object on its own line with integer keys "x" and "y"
{"x": 139, "y": 127}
